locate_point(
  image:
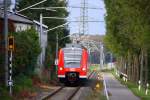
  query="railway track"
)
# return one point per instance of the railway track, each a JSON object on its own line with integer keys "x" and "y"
{"x": 71, "y": 96}
{"x": 53, "y": 93}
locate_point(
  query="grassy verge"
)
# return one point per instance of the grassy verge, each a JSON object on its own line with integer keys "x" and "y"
{"x": 134, "y": 88}
{"x": 23, "y": 88}
{"x": 93, "y": 67}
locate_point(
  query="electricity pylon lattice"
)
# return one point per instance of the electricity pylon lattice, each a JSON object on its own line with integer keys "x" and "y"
{"x": 83, "y": 25}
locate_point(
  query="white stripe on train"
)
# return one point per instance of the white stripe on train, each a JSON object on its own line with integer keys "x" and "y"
{"x": 63, "y": 76}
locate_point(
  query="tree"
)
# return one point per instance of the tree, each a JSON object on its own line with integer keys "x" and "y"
{"x": 27, "y": 49}
{"x": 128, "y": 29}
{"x": 35, "y": 14}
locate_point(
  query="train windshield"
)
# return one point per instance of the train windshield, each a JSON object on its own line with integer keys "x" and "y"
{"x": 72, "y": 57}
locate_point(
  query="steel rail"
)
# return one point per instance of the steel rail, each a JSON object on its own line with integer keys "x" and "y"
{"x": 78, "y": 88}
{"x": 59, "y": 89}
{"x": 74, "y": 93}
{"x": 53, "y": 93}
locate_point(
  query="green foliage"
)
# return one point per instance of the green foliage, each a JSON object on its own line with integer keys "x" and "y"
{"x": 93, "y": 67}
{"x": 4, "y": 93}
{"x": 48, "y": 57}
{"x": 21, "y": 83}
{"x": 127, "y": 24}
{"x": 27, "y": 49}
{"x": 25, "y": 55}
{"x": 128, "y": 28}
{"x": 35, "y": 14}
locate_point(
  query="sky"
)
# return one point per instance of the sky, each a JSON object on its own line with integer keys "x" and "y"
{"x": 93, "y": 14}
{"x": 12, "y": 5}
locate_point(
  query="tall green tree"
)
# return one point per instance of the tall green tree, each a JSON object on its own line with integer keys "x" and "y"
{"x": 35, "y": 14}
{"x": 128, "y": 30}
{"x": 26, "y": 52}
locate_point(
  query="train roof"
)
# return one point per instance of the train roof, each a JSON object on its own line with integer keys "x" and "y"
{"x": 75, "y": 45}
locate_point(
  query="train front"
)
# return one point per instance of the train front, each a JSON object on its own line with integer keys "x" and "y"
{"x": 72, "y": 64}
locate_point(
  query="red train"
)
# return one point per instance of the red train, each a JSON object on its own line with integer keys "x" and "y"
{"x": 72, "y": 63}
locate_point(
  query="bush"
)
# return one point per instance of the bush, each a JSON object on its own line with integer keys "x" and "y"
{"x": 21, "y": 83}
{"x": 4, "y": 93}
{"x": 27, "y": 49}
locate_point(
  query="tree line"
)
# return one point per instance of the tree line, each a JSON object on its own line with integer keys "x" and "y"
{"x": 27, "y": 47}
{"x": 35, "y": 14}
{"x": 128, "y": 36}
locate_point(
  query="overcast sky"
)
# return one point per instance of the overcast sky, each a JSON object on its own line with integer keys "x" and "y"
{"x": 94, "y": 14}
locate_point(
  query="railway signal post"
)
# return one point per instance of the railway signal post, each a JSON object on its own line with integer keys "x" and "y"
{"x": 10, "y": 50}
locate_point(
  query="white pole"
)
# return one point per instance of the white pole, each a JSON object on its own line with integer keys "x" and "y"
{"x": 67, "y": 7}
{"x": 41, "y": 22}
{"x": 147, "y": 86}
{"x": 139, "y": 87}
{"x": 41, "y": 31}
{"x": 100, "y": 58}
{"x": 65, "y": 37}
{"x": 32, "y": 6}
{"x": 111, "y": 60}
{"x": 56, "y": 48}
{"x": 55, "y": 18}
{"x": 105, "y": 88}
{"x": 43, "y": 8}
{"x": 57, "y": 27}
{"x": 10, "y": 82}
{"x": 101, "y": 55}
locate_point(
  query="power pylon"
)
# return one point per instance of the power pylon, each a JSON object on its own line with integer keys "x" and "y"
{"x": 83, "y": 17}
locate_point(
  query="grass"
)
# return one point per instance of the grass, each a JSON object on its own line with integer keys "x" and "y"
{"x": 4, "y": 93}
{"x": 93, "y": 67}
{"x": 134, "y": 88}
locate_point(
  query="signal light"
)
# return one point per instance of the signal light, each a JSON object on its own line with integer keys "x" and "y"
{"x": 11, "y": 43}
{"x": 83, "y": 69}
{"x": 60, "y": 68}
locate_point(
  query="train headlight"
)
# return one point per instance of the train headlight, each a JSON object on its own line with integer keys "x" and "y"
{"x": 60, "y": 68}
{"x": 83, "y": 69}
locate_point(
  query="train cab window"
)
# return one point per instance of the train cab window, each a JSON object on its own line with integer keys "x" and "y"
{"x": 72, "y": 57}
